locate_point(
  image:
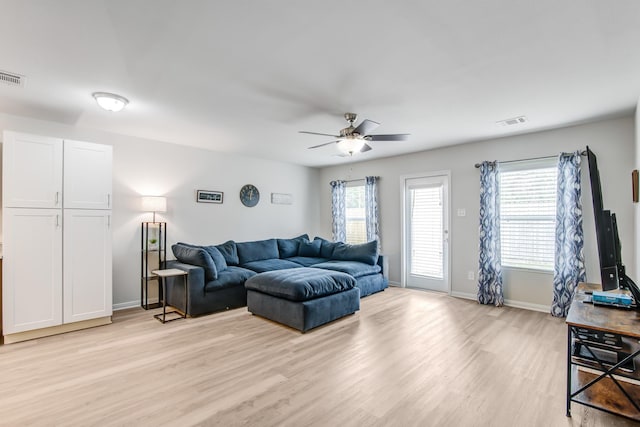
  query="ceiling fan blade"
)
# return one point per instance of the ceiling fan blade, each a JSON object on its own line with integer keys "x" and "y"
{"x": 394, "y": 137}
{"x": 316, "y": 133}
{"x": 322, "y": 145}
{"x": 365, "y": 127}
{"x": 365, "y": 148}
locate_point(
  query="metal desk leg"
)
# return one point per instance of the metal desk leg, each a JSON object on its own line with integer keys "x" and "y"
{"x": 186, "y": 295}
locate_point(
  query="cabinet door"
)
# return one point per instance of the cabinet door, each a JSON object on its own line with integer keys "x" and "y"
{"x": 32, "y": 270}
{"x": 87, "y": 264}
{"x": 87, "y": 175}
{"x": 32, "y": 171}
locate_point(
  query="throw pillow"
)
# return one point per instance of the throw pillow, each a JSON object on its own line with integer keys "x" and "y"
{"x": 217, "y": 257}
{"x": 309, "y": 249}
{"x": 366, "y": 252}
{"x": 326, "y": 250}
{"x": 229, "y": 252}
{"x": 193, "y": 255}
{"x": 289, "y": 247}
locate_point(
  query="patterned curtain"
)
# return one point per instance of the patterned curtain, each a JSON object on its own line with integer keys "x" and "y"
{"x": 569, "y": 261}
{"x": 371, "y": 208}
{"x": 338, "y": 210}
{"x": 490, "y": 267}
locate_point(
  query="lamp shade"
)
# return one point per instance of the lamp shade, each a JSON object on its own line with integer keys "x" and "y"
{"x": 154, "y": 204}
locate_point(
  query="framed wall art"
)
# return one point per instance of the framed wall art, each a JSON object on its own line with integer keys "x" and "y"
{"x": 207, "y": 196}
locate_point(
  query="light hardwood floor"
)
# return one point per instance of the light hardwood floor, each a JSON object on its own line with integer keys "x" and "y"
{"x": 407, "y": 358}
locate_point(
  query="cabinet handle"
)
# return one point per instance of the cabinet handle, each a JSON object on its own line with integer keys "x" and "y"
{"x": 57, "y": 221}
{"x": 108, "y": 221}
{"x": 57, "y": 197}
{"x": 108, "y": 200}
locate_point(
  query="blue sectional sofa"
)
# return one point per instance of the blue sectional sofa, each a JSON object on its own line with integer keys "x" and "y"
{"x": 217, "y": 273}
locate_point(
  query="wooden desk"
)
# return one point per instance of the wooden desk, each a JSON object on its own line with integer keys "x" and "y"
{"x": 593, "y": 383}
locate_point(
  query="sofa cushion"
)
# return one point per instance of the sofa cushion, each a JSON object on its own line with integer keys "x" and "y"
{"x": 257, "y": 250}
{"x": 354, "y": 268}
{"x": 195, "y": 255}
{"x": 289, "y": 247}
{"x": 309, "y": 249}
{"x": 326, "y": 248}
{"x": 307, "y": 261}
{"x": 300, "y": 284}
{"x": 366, "y": 252}
{"x": 214, "y": 253}
{"x": 270, "y": 265}
{"x": 229, "y": 252}
{"x": 232, "y": 276}
{"x": 217, "y": 257}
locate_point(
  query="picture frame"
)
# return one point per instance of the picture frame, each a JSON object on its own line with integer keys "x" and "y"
{"x": 282, "y": 198}
{"x": 208, "y": 196}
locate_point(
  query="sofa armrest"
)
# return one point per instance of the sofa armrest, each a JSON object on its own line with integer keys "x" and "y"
{"x": 383, "y": 262}
{"x": 195, "y": 283}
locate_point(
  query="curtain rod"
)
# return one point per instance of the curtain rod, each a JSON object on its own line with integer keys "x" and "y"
{"x": 355, "y": 180}
{"x": 582, "y": 153}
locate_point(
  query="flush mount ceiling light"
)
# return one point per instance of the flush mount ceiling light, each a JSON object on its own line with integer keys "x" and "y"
{"x": 110, "y": 101}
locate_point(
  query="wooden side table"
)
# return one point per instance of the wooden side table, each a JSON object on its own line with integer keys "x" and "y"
{"x": 163, "y": 274}
{"x": 605, "y": 374}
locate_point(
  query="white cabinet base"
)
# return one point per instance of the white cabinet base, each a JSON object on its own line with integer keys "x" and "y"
{"x": 55, "y": 330}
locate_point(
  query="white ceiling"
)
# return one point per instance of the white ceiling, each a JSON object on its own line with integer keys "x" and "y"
{"x": 245, "y": 76}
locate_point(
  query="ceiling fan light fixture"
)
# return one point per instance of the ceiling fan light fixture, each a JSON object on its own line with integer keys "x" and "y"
{"x": 110, "y": 101}
{"x": 350, "y": 145}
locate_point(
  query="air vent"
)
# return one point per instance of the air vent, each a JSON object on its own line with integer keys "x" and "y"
{"x": 12, "y": 79}
{"x": 512, "y": 122}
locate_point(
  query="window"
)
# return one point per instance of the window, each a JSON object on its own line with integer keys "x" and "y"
{"x": 355, "y": 215}
{"x": 528, "y": 213}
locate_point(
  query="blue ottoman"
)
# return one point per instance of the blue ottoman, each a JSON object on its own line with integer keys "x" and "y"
{"x": 302, "y": 298}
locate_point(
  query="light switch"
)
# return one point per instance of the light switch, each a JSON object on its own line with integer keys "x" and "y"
{"x": 462, "y": 212}
{"x": 470, "y": 275}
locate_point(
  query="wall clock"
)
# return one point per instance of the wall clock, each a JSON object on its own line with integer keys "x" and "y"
{"x": 249, "y": 195}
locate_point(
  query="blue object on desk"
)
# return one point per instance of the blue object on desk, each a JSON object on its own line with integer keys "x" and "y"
{"x": 611, "y": 298}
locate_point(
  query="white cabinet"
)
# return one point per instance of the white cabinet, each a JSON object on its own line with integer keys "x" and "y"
{"x": 87, "y": 264}
{"x": 57, "y": 235}
{"x": 32, "y": 269}
{"x": 87, "y": 175}
{"x": 32, "y": 171}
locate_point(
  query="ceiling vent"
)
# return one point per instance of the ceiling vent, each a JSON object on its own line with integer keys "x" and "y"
{"x": 11, "y": 79}
{"x": 512, "y": 122}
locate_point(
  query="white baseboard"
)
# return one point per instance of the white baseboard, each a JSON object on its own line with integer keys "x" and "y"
{"x": 464, "y": 295}
{"x": 125, "y": 305}
{"x": 509, "y": 303}
{"x": 397, "y": 284}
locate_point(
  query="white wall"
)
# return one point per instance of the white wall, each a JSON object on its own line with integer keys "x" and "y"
{"x": 611, "y": 140}
{"x": 145, "y": 167}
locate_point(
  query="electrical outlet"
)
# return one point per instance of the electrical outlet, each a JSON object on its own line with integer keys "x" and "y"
{"x": 462, "y": 212}
{"x": 470, "y": 275}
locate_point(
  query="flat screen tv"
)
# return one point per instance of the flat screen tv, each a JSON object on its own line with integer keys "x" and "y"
{"x": 612, "y": 270}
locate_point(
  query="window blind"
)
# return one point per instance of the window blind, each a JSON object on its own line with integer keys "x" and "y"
{"x": 355, "y": 215}
{"x": 527, "y": 216}
{"x": 427, "y": 238}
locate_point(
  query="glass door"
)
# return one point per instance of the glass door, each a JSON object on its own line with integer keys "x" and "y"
{"x": 426, "y": 232}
